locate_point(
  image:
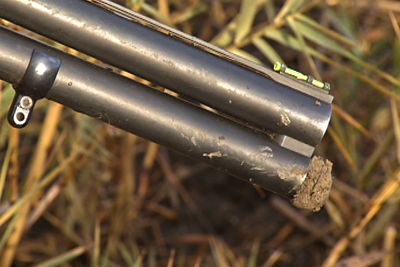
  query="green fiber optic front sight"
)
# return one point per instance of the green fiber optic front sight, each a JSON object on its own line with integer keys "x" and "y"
{"x": 279, "y": 67}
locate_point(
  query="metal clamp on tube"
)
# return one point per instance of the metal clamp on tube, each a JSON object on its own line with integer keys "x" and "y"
{"x": 34, "y": 85}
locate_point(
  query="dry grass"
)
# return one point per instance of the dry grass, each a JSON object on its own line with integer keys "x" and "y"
{"x": 77, "y": 192}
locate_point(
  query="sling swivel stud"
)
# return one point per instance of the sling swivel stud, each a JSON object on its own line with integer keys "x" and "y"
{"x": 34, "y": 85}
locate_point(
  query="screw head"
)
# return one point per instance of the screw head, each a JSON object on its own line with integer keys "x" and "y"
{"x": 26, "y": 102}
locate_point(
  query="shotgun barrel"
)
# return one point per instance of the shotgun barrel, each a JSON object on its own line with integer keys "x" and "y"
{"x": 265, "y": 124}
{"x": 174, "y": 60}
{"x": 158, "y": 117}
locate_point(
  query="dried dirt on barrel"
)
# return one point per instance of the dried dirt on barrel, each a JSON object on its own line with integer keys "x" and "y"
{"x": 315, "y": 190}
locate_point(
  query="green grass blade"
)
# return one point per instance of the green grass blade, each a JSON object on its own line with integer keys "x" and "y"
{"x": 135, "y": 5}
{"x": 376, "y": 155}
{"x": 190, "y": 12}
{"x": 245, "y": 55}
{"x": 6, "y": 234}
{"x": 252, "y": 262}
{"x": 326, "y": 31}
{"x": 96, "y": 247}
{"x": 138, "y": 262}
{"x": 267, "y": 50}
{"x": 4, "y": 169}
{"x": 342, "y": 21}
{"x": 291, "y": 42}
{"x": 6, "y": 98}
{"x": 283, "y": 38}
{"x": 63, "y": 258}
{"x": 106, "y": 258}
{"x": 288, "y": 8}
{"x": 377, "y": 228}
{"x": 270, "y": 11}
{"x": 323, "y": 40}
{"x": 226, "y": 35}
{"x": 126, "y": 255}
{"x": 46, "y": 181}
{"x": 246, "y": 18}
{"x": 299, "y": 34}
{"x": 319, "y": 37}
{"x": 343, "y": 149}
{"x": 153, "y": 12}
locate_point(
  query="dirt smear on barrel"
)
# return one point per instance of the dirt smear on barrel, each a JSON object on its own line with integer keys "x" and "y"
{"x": 314, "y": 191}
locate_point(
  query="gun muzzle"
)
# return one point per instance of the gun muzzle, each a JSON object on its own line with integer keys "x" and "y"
{"x": 265, "y": 126}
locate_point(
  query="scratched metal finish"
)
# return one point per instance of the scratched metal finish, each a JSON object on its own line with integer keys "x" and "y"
{"x": 163, "y": 56}
{"x": 198, "y": 43}
{"x": 163, "y": 119}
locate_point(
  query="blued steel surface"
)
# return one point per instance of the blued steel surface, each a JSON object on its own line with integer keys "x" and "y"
{"x": 161, "y": 118}
{"x": 229, "y": 88}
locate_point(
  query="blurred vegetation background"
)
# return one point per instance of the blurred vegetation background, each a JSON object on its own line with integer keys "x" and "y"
{"x": 77, "y": 192}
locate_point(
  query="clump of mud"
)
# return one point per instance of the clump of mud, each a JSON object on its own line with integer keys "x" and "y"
{"x": 314, "y": 191}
